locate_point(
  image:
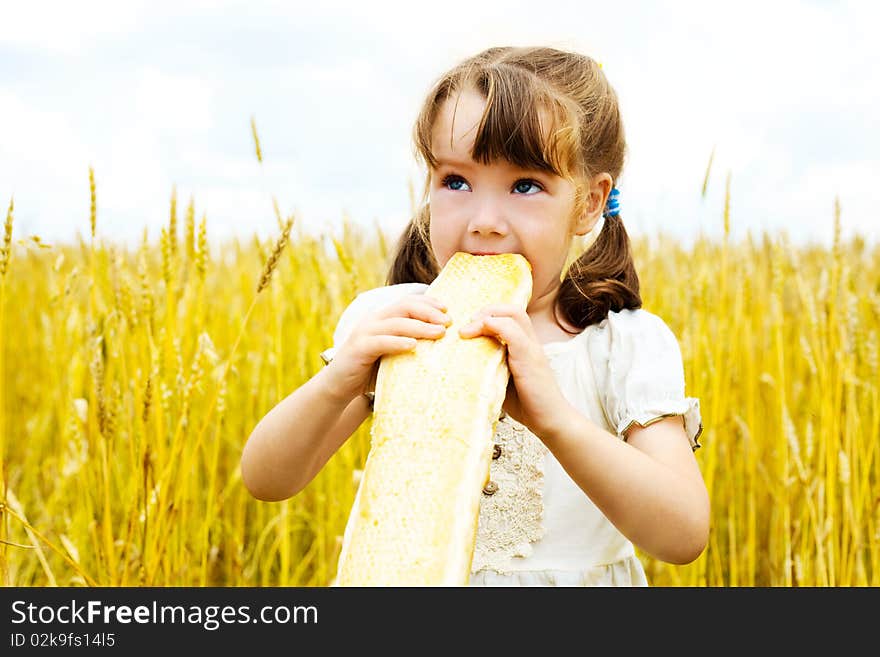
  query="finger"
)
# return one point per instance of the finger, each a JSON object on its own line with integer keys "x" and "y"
{"x": 434, "y": 300}
{"x": 501, "y": 310}
{"x": 413, "y": 328}
{"x": 510, "y": 311}
{"x": 377, "y": 345}
{"x": 506, "y": 329}
{"x": 423, "y": 302}
{"x": 425, "y": 299}
{"x": 416, "y": 308}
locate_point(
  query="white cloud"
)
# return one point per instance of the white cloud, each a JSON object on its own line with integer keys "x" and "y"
{"x": 812, "y": 195}
{"x": 44, "y": 164}
{"x": 179, "y": 102}
{"x": 66, "y": 27}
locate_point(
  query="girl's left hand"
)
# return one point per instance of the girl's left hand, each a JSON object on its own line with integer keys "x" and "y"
{"x": 533, "y": 396}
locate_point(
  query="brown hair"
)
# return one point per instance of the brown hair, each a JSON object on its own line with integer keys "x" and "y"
{"x": 586, "y": 138}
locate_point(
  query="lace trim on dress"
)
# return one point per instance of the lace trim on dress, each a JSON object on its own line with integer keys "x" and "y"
{"x": 512, "y": 505}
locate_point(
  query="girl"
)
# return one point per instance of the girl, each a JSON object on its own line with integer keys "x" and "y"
{"x": 594, "y": 448}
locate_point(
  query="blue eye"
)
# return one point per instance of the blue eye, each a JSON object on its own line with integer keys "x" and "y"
{"x": 449, "y": 180}
{"x": 453, "y": 179}
{"x": 527, "y": 182}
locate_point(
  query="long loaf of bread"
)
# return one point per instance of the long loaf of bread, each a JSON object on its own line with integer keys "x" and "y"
{"x": 414, "y": 518}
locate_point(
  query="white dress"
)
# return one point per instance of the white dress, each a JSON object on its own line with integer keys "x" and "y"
{"x": 538, "y": 528}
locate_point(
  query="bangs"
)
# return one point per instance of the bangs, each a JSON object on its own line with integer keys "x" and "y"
{"x": 522, "y": 123}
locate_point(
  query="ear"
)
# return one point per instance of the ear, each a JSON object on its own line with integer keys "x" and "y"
{"x": 596, "y": 196}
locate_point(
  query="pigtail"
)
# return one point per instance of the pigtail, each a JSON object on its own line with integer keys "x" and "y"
{"x": 602, "y": 279}
{"x": 412, "y": 259}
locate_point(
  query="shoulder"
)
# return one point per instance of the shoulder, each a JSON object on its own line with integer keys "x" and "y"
{"x": 627, "y": 331}
{"x": 638, "y": 319}
{"x": 633, "y": 354}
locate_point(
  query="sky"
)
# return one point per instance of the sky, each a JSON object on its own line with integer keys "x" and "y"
{"x": 159, "y": 95}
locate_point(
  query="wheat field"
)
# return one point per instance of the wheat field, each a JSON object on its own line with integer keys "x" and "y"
{"x": 131, "y": 378}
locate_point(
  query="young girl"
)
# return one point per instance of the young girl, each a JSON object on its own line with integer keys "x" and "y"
{"x": 594, "y": 448}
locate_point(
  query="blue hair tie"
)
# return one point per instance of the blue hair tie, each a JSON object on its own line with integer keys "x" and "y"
{"x": 612, "y": 205}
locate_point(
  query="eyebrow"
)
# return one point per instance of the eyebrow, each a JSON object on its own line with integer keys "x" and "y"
{"x": 452, "y": 163}
{"x": 470, "y": 165}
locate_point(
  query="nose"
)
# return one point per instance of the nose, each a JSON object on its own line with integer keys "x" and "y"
{"x": 488, "y": 218}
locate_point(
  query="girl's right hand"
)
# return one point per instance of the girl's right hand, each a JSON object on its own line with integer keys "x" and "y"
{"x": 390, "y": 330}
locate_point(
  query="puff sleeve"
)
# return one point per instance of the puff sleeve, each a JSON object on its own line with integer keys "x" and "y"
{"x": 639, "y": 373}
{"x": 363, "y": 304}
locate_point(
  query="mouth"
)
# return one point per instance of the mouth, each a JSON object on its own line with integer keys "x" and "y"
{"x": 479, "y": 253}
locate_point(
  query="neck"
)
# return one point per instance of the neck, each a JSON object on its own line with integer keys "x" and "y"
{"x": 541, "y": 305}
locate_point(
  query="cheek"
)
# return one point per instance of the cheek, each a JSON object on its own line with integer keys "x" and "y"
{"x": 546, "y": 252}
{"x": 439, "y": 205}
{"x": 440, "y": 240}
{"x": 442, "y": 252}
{"x": 444, "y": 224}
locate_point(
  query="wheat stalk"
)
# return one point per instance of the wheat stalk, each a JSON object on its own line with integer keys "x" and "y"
{"x": 4, "y": 264}
{"x": 256, "y": 140}
{"x": 189, "y": 229}
{"x": 172, "y": 222}
{"x": 96, "y": 365}
{"x": 272, "y": 263}
{"x": 93, "y": 208}
{"x": 6, "y": 251}
{"x": 165, "y": 241}
{"x": 202, "y": 245}
{"x": 708, "y": 169}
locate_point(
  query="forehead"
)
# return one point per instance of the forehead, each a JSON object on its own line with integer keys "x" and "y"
{"x": 455, "y": 130}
